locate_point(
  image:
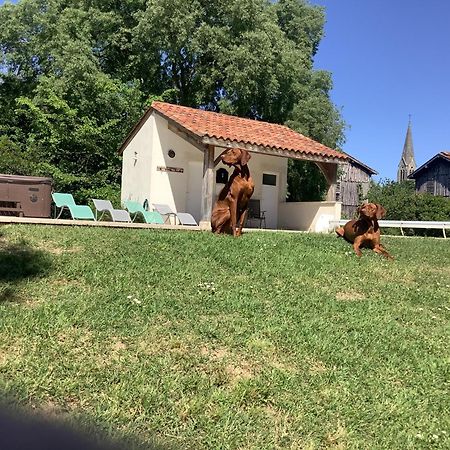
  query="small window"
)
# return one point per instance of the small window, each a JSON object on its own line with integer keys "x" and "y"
{"x": 269, "y": 179}
{"x": 338, "y": 191}
{"x": 360, "y": 192}
{"x": 222, "y": 176}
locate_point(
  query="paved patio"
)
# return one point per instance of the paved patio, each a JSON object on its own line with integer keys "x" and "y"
{"x": 90, "y": 223}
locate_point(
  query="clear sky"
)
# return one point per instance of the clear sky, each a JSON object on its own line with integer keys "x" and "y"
{"x": 389, "y": 59}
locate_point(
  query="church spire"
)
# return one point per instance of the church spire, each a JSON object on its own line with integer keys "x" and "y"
{"x": 407, "y": 162}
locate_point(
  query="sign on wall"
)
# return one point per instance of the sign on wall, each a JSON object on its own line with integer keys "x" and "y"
{"x": 170, "y": 169}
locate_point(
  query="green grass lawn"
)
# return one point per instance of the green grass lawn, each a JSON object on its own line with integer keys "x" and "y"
{"x": 196, "y": 341}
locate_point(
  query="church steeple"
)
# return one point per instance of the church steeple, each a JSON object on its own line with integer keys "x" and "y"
{"x": 407, "y": 162}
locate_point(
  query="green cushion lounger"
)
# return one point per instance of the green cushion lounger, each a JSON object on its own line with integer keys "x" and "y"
{"x": 105, "y": 206}
{"x": 136, "y": 208}
{"x": 62, "y": 201}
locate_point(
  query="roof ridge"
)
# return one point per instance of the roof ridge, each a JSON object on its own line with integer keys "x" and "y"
{"x": 247, "y": 119}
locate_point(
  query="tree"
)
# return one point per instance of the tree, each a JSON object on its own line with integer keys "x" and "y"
{"x": 402, "y": 202}
{"x": 77, "y": 74}
{"x": 64, "y": 113}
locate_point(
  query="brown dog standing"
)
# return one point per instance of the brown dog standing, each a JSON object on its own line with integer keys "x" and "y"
{"x": 365, "y": 232}
{"x": 230, "y": 210}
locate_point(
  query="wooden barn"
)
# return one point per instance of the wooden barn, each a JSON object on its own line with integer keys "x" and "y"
{"x": 352, "y": 186}
{"x": 434, "y": 176}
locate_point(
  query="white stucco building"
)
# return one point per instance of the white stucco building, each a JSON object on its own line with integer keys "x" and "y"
{"x": 170, "y": 157}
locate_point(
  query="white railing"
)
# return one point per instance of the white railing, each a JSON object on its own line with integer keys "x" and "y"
{"x": 402, "y": 224}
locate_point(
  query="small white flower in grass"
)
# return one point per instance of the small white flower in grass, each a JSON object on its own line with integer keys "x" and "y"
{"x": 420, "y": 309}
{"x": 129, "y": 296}
{"x": 207, "y": 286}
{"x": 418, "y": 435}
{"x": 137, "y": 301}
{"x": 433, "y": 317}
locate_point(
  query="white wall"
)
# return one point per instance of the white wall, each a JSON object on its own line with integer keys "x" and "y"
{"x": 181, "y": 191}
{"x": 171, "y": 187}
{"x": 145, "y": 152}
{"x": 308, "y": 216}
{"x": 136, "y": 161}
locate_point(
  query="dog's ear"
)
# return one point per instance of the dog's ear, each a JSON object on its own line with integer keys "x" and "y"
{"x": 245, "y": 156}
{"x": 381, "y": 212}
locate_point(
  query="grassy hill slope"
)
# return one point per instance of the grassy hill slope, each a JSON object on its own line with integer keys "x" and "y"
{"x": 270, "y": 341}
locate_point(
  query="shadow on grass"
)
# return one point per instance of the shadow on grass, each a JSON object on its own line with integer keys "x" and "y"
{"x": 19, "y": 262}
{"x": 21, "y": 429}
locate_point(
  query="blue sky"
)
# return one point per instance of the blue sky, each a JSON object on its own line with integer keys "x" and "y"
{"x": 389, "y": 59}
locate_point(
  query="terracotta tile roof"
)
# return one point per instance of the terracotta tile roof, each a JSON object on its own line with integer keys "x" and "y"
{"x": 246, "y": 131}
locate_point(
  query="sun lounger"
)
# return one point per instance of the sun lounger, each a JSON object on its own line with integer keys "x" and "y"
{"x": 136, "y": 208}
{"x": 63, "y": 201}
{"x": 106, "y": 207}
{"x": 182, "y": 217}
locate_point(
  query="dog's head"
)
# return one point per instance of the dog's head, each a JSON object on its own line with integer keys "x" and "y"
{"x": 372, "y": 211}
{"x": 234, "y": 156}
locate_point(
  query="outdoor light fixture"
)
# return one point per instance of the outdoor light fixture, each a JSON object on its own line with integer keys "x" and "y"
{"x": 171, "y": 153}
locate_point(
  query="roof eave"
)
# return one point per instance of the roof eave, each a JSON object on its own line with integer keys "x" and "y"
{"x": 134, "y": 130}
{"x": 359, "y": 163}
{"x": 274, "y": 151}
{"x": 427, "y": 163}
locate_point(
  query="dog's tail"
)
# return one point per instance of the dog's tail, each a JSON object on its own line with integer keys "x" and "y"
{"x": 340, "y": 231}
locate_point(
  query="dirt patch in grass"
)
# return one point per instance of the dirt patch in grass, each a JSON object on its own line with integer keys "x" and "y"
{"x": 235, "y": 368}
{"x": 13, "y": 352}
{"x": 337, "y": 438}
{"x": 349, "y": 296}
{"x": 54, "y": 249}
{"x": 117, "y": 345}
{"x": 240, "y": 372}
{"x": 216, "y": 353}
{"x": 283, "y": 366}
{"x": 317, "y": 367}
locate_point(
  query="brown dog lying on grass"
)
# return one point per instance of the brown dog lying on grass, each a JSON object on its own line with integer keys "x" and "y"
{"x": 230, "y": 211}
{"x": 365, "y": 232}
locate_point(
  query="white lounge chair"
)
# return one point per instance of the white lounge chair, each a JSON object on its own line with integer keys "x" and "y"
{"x": 105, "y": 206}
{"x": 182, "y": 217}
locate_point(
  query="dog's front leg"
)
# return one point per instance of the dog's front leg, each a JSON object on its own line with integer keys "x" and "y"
{"x": 233, "y": 212}
{"x": 382, "y": 251}
{"x": 357, "y": 244}
{"x": 242, "y": 221}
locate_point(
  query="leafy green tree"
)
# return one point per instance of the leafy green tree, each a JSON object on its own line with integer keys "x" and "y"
{"x": 76, "y": 75}
{"x": 65, "y": 113}
{"x": 13, "y": 159}
{"x": 402, "y": 202}
{"x": 399, "y": 199}
{"x": 249, "y": 59}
